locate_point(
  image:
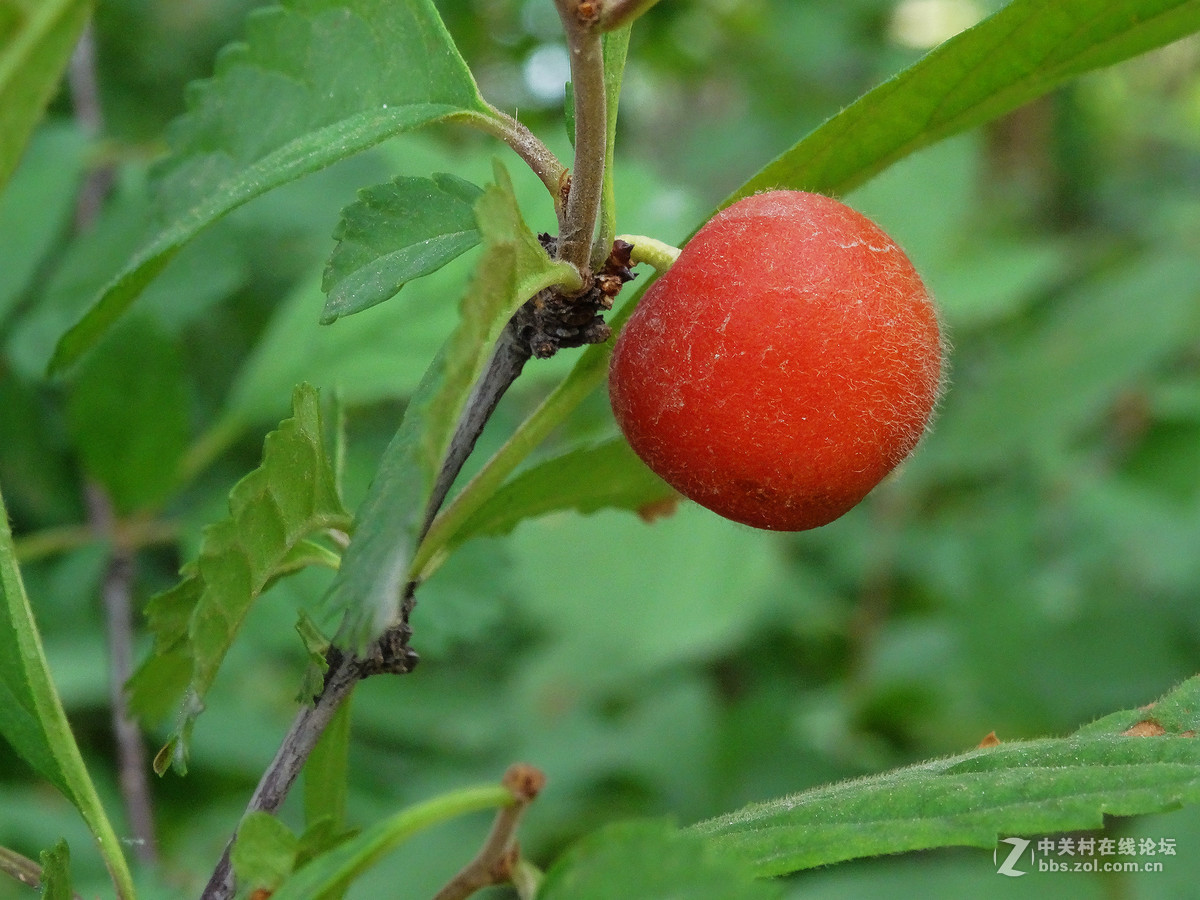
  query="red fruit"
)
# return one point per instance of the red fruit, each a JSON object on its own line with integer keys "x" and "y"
{"x": 786, "y": 362}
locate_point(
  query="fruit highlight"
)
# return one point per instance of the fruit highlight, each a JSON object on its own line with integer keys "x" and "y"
{"x": 787, "y": 362}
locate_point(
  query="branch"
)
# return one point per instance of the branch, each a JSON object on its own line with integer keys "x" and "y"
{"x": 117, "y": 593}
{"x": 529, "y": 147}
{"x": 23, "y": 869}
{"x": 591, "y": 131}
{"x": 497, "y": 859}
{"x": 390, "y": 654}
{"x": 508, "y": 359}
{"x": 117, "y": 590}
{"x": 514, "y": 348}
{"x": 85, "y": 100}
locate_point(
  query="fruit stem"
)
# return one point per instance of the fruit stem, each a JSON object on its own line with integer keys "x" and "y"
{"x": 650, "y": 251}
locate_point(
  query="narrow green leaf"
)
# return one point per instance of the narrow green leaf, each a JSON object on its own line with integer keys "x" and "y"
{"x": 32, "y": 719}
{"x": 326, "y": 773}
{"x": 650, "y": 861}
{"x": 316, "y": 81}
{"x": 375, "y": 566}
{"x": 616, "y": 51}
{"x": 1025, "y": 50}
{"x": 606, "y": 475}
{"x": 329, "y": 874}
{"x": 36, "y": 40}
{"x": 394, "y": 233}
{"x": 290, "y": 496}
{"x": 1024, "y": 787}
{"x": 264, "y": 852}
{"x": 56, "y": 873}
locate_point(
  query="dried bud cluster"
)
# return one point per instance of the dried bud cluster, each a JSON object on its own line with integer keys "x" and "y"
{"x": 553, "y": 321}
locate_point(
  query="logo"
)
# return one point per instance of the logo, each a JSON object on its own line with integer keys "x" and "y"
{"x": 1009, "y": 866}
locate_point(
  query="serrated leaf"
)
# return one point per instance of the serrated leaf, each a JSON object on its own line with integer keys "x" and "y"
{"x": 606, "y": 475}
{"x": 36, "y": 40}
{"x": 1023, "y": 51}
{"x": 394, "y": 233}
{"x": 316, "y": 81}
{"x": 290, "y": 496}
{"x": 32, "y": 719}
{"x": 1023, "y": 787}
{"x": 264, "y": 852}
{"x": 513, "y": 268}
{"x": 650, "y": 861}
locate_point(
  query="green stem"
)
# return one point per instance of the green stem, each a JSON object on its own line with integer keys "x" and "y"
{"x": 331, "y": 873}
{"x": 651, "y": 251}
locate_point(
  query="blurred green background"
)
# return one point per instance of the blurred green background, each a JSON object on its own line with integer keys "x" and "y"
{"x": 1034, "y": 565}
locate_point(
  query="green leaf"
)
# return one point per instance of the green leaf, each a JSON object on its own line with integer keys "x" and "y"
{"x": 290, "y": 496}
{"x": 616, "y": 50}
{"x": 606, "y": 475}
{"x": 264, "y": 852}
{"x": 56, "y": 873}
{"x": 326, "y": 773}
{"x": 316, "y": 81}
{"x": 36, "y": 40}
{"x": 387, "y": 526}
{"x": 32, "y": 719}
{"x": 1070, "y": 367}
{"x": 329, "y": 874}
{"x": 379, "y": 354}
{"x": 1024, "y": 787}
{"x": 396, "y": 232}
{"x": 128, "y": 414}
{"x": 315, "y": 644}
{"x": 650, "y": 861}
{"x": 37, "y": 206}
{"x": 1023, "y": 51}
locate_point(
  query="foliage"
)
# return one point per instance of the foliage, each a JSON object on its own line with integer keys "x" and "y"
{"x": 1030, "y": 569}
{"x": 33, "y": 721}
{"x": 1027, "y": 787}
{"x": 273, "y": 512}
{"x": 36, "y": 39}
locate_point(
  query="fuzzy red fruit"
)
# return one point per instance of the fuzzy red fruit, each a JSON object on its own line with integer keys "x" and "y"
{"x": 786, "y": 362}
